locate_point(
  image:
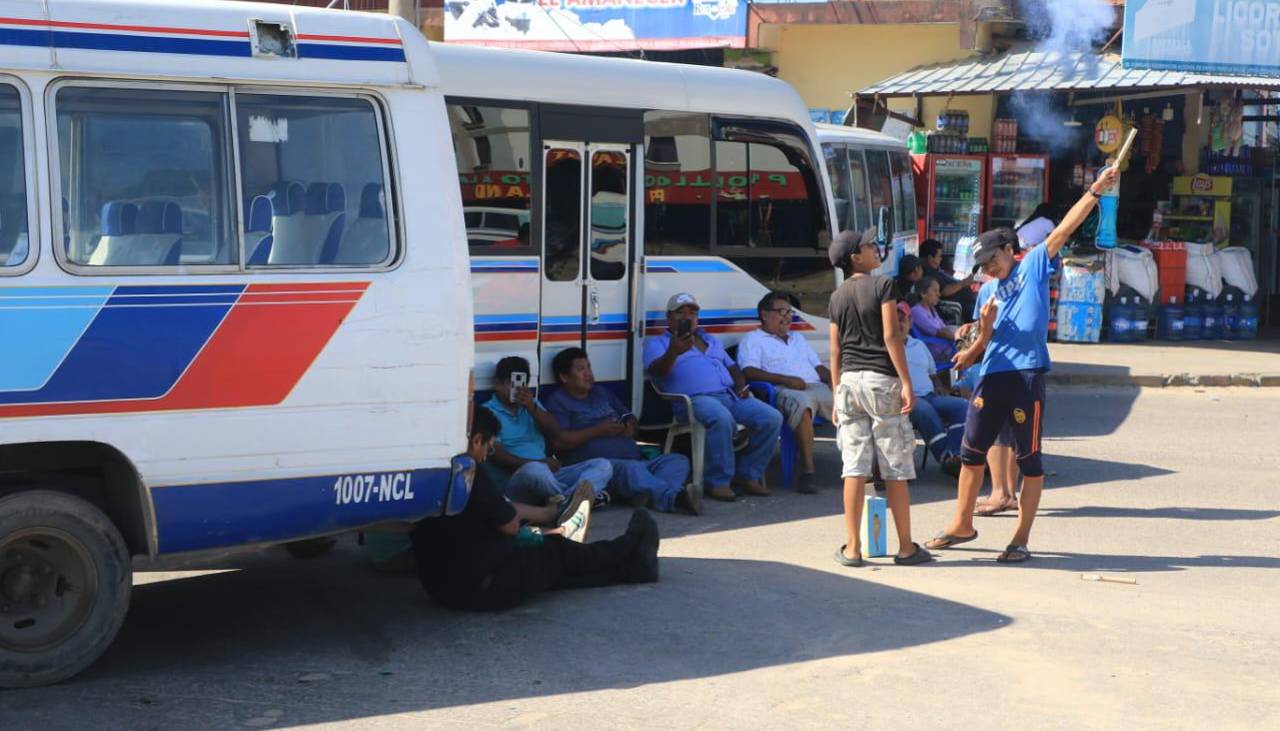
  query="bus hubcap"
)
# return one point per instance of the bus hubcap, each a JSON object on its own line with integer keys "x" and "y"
{"x": 47, "y": 587}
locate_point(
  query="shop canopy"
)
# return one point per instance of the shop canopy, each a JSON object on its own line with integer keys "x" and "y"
{"x": 1031, "y": 70}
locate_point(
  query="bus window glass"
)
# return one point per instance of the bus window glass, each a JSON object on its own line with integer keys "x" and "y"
{"x": 145, "y": 177}
{"x": 858, "y": 177}
{"x": 562, "y": 214}
{"x": 733, "y": 190}
{"x": 881, "y": 187}
{"x": 904, "y": 189}
{"x": 15, "y": 242}
{"x": 313, "y": 181}
{"x": 838, "y": 174}
{"x": 783, "y": 198}
{"x": 610, "y": 215}
{"x": 678, "y": 183}
{"x": 491, "y": 145}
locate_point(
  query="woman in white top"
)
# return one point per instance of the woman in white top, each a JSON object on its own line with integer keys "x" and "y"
{"x": 1035, "y": 228}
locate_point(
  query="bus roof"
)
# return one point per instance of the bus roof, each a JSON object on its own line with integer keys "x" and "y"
{"x": 210, "y": 39}
{"x": 865, "y": 137}
{"x": 613, "y": 82}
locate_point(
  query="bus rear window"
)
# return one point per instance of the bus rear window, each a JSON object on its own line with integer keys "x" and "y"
{"x": 14, "y": 237}
{"x": 144, "y": 177}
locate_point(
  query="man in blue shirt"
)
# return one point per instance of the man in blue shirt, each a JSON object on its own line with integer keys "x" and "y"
{"x": 690, "y": 361}
{"x": 594, "y": 424}
{"x": 521, "y": 448}
{"x": 1013, "y": 323}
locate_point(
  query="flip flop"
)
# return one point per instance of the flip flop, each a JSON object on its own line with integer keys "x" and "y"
{"x": 1014, "y": 554}
{"x": 943, "y": 540}
{"x": 991, "y": 509}
{"x": 844, "y": 560}
{"x": 915, "y": 559}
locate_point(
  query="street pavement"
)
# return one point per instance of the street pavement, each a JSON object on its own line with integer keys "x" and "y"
{"x": 755, "y": 626}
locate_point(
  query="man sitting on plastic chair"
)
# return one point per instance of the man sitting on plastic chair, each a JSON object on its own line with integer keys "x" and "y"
{"x": 938, "y": 416}
{"x": 690, "y": 361}
{"x": 785, "y": 360}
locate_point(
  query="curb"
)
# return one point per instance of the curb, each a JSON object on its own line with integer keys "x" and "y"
{"x": 1178, "y": 380}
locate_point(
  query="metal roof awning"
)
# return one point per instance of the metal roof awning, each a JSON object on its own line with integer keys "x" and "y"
{"x": 1031, "y": 70}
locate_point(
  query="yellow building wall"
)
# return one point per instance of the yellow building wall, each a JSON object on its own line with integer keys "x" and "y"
{"x": 826, "y": 63}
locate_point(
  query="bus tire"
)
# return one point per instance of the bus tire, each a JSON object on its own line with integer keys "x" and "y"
{"x": 311, "y": 547}
{"x": 65, "y": 582}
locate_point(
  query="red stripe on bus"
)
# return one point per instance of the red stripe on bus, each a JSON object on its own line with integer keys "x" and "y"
{"x": 349, "y": 39}
{"x": 135, "y": 28}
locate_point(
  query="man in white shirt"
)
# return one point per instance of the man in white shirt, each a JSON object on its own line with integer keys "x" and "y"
{"x": 938, "y": 416}
{"x": 776, "y": 355}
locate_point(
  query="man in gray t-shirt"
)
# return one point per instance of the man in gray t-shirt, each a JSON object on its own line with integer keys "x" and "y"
{"x": 873, "y": 393}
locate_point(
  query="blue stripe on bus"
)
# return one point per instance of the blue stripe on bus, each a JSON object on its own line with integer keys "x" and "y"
{"x": 196, "y": 517}
{"x": 350, "y": 53}
{"x": 520, "y": 317}
{"x": 687, "y": 267}
{"x": 41, "y": 325}
{"x": 45, "y": 38}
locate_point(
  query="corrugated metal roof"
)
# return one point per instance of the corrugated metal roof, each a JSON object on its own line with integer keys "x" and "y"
{"x": 1032, "y": 70}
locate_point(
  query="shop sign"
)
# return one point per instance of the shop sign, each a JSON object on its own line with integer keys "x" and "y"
{"x": 597, "y": 25}
{"x": 1108, "y": 134}
{"x": 1203, "y": 185}
{"x": 1205, "y": 36}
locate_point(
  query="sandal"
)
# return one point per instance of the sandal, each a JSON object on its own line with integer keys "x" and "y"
{"x": 944, "y": 540}
{"x": 915, "y": 559}
{"x": 990, "y": 508}
{"x": 844, "y": 560}
{"x": 1014, "y": 554}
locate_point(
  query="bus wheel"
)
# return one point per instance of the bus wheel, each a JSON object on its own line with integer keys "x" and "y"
{"x": 311, "y": 547}
{"x": 65, "y": 580}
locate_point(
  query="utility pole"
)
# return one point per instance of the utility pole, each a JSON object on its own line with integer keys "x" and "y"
{"x": 407, "y": 9}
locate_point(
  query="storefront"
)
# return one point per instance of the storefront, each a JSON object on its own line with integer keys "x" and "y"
{"x": 1202, "y": 172}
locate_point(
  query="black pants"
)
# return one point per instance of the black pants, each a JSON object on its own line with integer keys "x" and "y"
{"x": 556, "y": 564}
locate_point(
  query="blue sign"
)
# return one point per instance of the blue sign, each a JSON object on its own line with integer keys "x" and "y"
{"x": 1203, "y": 36}
{"x": 597, "y": 25}
{"x": 820, "y": 116}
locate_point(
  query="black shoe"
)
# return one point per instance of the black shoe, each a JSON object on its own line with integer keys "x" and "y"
{"x": 806, "y": 484}
{"x": 951, "y": 466}
{"x": 602, "y": 500}
{"x": 644, "y": 559}
{"x": 687, "y": 503}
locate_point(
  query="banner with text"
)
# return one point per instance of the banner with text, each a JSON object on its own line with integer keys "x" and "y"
{"x": 597, "y": 25}
{"x": 1205, "y": 36}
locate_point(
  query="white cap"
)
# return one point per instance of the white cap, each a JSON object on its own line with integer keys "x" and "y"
{"x": 682, "y": 299}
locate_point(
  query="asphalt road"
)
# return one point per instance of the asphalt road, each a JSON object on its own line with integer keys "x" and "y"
{"x": 753, "y": 625}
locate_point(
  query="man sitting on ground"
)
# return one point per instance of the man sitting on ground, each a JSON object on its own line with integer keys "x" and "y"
{"x": 776, "y": 355}
{"x": 537, "y": 478}
{"x": 594, "y": 424}
{"x": 481, "y": 559}
{"x": 688, "y": 360}
{"x": 937, "y": 415}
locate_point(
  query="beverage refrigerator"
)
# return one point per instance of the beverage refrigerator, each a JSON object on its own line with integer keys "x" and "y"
{"x": 1016, "y": 185}
{"x": 952, "y": 188}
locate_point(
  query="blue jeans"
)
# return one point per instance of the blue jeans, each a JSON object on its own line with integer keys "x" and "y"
{"x": 662, "y": 478}
{"x": 940, "y": 420}
{"x": 720, "y": 413}
{"x": 534, "y": 482}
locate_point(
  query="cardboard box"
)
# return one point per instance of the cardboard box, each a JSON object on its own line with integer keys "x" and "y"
{"x": 875, "y": 526}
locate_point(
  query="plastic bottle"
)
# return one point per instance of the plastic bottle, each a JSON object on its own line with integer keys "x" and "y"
{"x": 1212, "y": 320}
{"x": 916, "y": 142}
{"x": 1193, "y": 316}
{"x": 1108, "y": 207}
{"x": 1120, "y": 321}
{"x": 1230, "y": 318}
{"x": 1247, "y": 324}
{"x": 1140, "y": 320}
{"x": 1172, "y": 321}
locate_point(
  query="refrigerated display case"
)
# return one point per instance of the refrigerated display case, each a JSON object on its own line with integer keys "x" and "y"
{"x": 1017, "y": 184}
{"x": 954, "y": 188}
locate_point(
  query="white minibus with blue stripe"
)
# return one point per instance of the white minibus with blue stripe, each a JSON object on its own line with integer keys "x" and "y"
{"x": 235, "y": 298}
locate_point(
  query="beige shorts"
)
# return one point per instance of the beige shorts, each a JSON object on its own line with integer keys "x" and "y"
{"x": 872, "y": 428}
{"x": 815, "y": 399}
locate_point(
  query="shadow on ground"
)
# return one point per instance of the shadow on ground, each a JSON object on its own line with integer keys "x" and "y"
{"x": 329, "y": 641}
{"x": 1110, "y": 562}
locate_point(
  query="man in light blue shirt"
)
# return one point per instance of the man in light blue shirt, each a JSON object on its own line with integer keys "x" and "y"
{"x": 1013, "y": 324}
{"x": 688, "y": 360}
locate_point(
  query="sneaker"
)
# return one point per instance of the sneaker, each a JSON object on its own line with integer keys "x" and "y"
{"x": 583, "y": 493}
{"x": 806, "y": 484}
{"x": 602, "y": 500}
{"x": 575, "y": 526}
{"x": 951, "y": 466}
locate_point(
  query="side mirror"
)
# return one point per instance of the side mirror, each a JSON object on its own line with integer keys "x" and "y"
{"x": 884, "y": 232}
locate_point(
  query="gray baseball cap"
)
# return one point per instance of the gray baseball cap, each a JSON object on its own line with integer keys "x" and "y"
{"x": 846, "y": 242}
{"x": 682, "y": 299}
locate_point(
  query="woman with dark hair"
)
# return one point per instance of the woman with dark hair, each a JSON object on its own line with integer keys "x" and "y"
{"x": 925, "y": 317}
{"x": 1035, "y": 228}
{"x": 909, "y": 272}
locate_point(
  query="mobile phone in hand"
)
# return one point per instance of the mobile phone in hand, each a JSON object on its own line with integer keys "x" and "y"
{"x": 684, "y": 328}
{"x": 518, "y": 381}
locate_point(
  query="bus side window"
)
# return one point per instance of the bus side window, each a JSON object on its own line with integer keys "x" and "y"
{"x": 145, "y": 177}
{"x": 904, "y": 193}
{"x": 881, "y": 181}
{"x": 314, "y": 181}
{"x": 838, "y": 174}
{"x": 677, "y": 184}
{"x": 15, "y": 244}
{"x": 491, "y": 145}
{"x": 861, "y": 205}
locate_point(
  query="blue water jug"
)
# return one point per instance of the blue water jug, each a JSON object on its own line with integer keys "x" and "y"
{"x": 1173, "y": 321}
{"x": 1212, "y": 320}
{"x": 1230, "y": 318}
{"x": 1141, "y": 320}
{"x": 1121, "y": 321}
{"x": 1247, "y": 322}
{"x": 1193, "y": 316}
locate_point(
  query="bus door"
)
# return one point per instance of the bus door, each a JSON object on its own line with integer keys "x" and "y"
{"x": 587, "y": 243}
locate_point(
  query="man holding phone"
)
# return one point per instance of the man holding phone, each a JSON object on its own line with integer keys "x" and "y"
{"x": 690, "y": 361}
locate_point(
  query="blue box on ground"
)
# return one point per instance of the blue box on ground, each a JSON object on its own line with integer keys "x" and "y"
{"x": 874, "y": 525}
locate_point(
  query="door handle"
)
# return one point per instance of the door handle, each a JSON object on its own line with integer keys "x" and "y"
{"x": 595, "y": 306}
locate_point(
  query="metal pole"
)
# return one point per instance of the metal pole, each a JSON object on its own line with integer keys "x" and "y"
{"x": 407, "y": 9}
